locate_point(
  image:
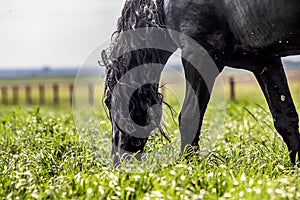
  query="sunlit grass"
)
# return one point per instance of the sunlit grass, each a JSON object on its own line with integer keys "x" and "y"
{"x": 43, "y": 155}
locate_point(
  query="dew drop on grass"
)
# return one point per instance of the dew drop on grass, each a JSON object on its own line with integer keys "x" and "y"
{"x": 89, "y": 191}
{"x": 241, "y": 194}
{"x": 227, "y": 195}
{"x": 243, "y": 177}
{"x": 270, "y": 190}
{"x": 251, "y": 182}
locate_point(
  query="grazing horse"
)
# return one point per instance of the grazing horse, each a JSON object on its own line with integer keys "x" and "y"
{"x": 246, "y": 34}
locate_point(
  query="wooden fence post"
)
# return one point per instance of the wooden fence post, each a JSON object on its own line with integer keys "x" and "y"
{"x": 232, "y": 89}
{"x": 41, "y": 94}
{"x": 15, "y": 95}
{"x": 71, "y": 90}
{"x": 91, "y": 94}
{"x": 55, "y": 94}
{"x": 4, "y": 95}
{"x": 28, "y": 94}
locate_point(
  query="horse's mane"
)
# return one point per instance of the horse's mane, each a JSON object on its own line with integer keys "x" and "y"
{"x": 140, "y": 14}
{"x": 135, "y": 14}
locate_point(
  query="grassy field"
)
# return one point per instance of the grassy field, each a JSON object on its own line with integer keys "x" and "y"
{"x": 43, "y": 155}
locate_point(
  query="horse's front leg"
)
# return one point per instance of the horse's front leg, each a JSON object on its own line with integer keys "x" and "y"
{"x": 273, "y": 82}
{"x": 200, "y": 73}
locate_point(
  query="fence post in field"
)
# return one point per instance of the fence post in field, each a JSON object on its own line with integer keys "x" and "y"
{"x": 71, "y": 87}
{"x": 4, "y": 95}
{"x": 41, "y": 94}
{"x": 232, "y": 92}
{"x": 28, "y": 94}
{"x": 15, "y": 95}
{"x": 91, "y": 94}
{"x": 55, "y": 94}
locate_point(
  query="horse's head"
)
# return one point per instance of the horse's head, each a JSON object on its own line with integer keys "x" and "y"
{"x": 132, "y": 98}
{"x": 133, "y": 68}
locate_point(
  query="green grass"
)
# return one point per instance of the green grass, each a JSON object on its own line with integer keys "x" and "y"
{"x": 44, "y": 156}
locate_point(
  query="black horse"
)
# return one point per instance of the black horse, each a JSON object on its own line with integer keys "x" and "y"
{"x": 247, "y": 34}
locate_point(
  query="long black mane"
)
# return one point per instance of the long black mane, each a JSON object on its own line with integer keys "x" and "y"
{"x": 140, "y": 14}
{"x": 119, "y": 59}
{"x": 135, "y": 14}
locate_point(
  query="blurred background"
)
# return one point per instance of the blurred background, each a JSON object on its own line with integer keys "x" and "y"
{"x": 53, "y": 33}
{"x": 44, "y": 43}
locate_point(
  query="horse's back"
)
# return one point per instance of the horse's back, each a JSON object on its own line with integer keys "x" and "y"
{"x": 246, "y": 24}
{"x": 257, "y": 23}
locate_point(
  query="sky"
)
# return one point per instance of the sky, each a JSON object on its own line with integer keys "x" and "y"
{"x": 54, "y": 33}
